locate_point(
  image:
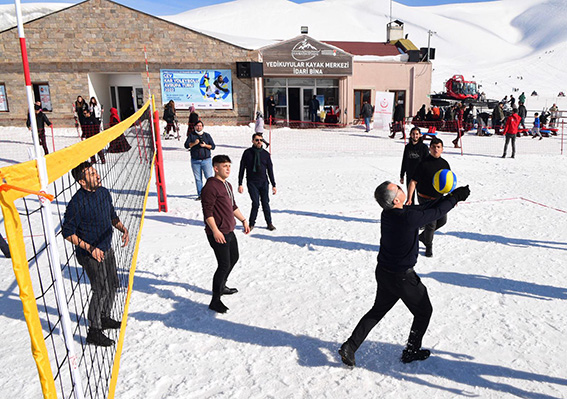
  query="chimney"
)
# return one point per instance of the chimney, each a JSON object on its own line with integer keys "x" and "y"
{"x": 394, "y": 31}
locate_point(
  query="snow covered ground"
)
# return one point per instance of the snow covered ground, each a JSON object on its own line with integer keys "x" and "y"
{"x": 497, "y": 281}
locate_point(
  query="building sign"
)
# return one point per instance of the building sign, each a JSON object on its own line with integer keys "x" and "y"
{"x": 203, "y": 88}
{"x": 383, "y": 109}
{"x": 304, "y": 56}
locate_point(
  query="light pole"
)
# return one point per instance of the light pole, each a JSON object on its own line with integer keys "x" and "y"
{"x": 430, "y": 33}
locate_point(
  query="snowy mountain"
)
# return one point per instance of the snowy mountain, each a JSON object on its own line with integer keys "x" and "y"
{"x": 503, "y": 44}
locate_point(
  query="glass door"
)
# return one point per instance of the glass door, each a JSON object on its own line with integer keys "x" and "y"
{"x": 307, "y": 96}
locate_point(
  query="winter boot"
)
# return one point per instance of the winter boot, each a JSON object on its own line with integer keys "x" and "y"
{"x": 409, "y": 355}
{"x": 107, "y": 322}
{"x": 347, "y": 354}
{"x": 96, "y": 337}
{"x": 217, "y": 305}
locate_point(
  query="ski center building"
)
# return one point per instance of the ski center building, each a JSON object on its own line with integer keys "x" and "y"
{"x": 96, "y": 49}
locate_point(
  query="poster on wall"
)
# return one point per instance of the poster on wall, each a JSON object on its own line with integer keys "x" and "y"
{"x": 203, "y": 88}
{"x": 383, "y": 110}
{"x": 45, "y": 97}
{"x": 3, "y": 99}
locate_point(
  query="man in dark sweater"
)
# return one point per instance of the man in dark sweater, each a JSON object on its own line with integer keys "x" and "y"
{"x": 219, "y": 211}
{"x": 256, "y": 162}
{"x": 414, "y": 152}
{"x": 395, "y": 275}
{"x": 422, "y": 181}
{"x": 88, "y": 223}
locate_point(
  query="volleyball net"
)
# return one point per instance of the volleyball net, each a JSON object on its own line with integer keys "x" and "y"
{"x": 66, "y": 294}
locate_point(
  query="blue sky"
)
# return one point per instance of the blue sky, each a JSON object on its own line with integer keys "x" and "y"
{"x": 167, "y": 7}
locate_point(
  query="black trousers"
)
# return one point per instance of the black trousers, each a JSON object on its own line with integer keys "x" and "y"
{"x": 259, "y": 192}
{"x": 406, "y": 286}
{"x": 429, "y": 230}
{"x": 227, "y": 256}
{"x": 42, "y": 140}
{"x": 510, "y": 138}
{"x": 104, "y": 283}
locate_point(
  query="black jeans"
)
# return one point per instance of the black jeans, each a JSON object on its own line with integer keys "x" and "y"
{"x": 406, "y": 286}
{"x": 430, "y": 228}
{"x": 512, "y": 138}
{"x": 104, "y": 282}
{"x": 259, "y": 192}
{"x": 227, "y": 256}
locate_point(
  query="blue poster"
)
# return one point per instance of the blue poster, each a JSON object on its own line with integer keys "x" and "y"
{"x": 203, "y": 88}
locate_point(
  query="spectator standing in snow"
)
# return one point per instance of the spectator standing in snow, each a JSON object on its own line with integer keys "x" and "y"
{"x": 523, "y": 112}
{"x": 193, "y": 119}
{"x": 399, "y": 116}
{"x": 95, "y": 110}
{"x": 41, "y": 120}
{"x": 537, "y": 127}
{"x": 395, "y": 276}
{"x": 271, "y": 108}
{"x": 366, "y": 113}
{"x": 201, "y": 144}
{"x": 91, "y": 127}
{"x": 257, "y": 163}
{"x": 170, "y": 117}
{"x": 497, "y": 117}
{"x": 219, "y": 211}
{"x": 313, "y": 108}
{"x": 511, "y": 130}
{"x": 522, "y": 98}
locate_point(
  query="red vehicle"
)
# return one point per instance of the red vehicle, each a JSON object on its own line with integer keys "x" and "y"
{"x": 457, "y": 89}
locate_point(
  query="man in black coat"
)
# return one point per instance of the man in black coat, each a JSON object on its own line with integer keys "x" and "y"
{"x": 271, "y": 108}
{"x": 395, "y": 276}
{"x": 41, "y": 120}
{"x": 422, "y": 181}
{"x": 399, "y": 116}
{"x": 256, "y": 161}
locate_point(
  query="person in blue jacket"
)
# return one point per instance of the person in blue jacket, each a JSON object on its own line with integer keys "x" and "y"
{"x": 88, "y": 222}
{"x": 395, "y": 275}
{"x": 200, "y": 144}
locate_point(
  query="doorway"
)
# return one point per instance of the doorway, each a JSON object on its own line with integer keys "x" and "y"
{"x": 307, "y": 96}
{"x": 126, "y": 101}
{"x": 295, "y": 103}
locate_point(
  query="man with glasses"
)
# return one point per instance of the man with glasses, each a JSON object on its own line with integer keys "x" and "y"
{"x": 395, "y": 275}
{"x": 256, "y": 161}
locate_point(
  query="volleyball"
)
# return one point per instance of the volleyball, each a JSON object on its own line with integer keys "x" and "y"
{"x": 444, "y": 181}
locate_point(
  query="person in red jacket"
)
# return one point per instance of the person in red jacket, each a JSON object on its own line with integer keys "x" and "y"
{"x": 511, "y": 130}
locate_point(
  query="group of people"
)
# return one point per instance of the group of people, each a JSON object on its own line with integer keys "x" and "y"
{"x": 90, "y": 219}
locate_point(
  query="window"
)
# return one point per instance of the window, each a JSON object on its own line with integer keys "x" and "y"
{"x": 3, "y": 98}
{"x": 42, "y": 94}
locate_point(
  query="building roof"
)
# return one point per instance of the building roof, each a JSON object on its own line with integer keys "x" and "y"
{"x": 366, "y": 48}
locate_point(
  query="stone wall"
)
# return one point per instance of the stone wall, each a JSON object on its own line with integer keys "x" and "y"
{"x": 100, "y": 36}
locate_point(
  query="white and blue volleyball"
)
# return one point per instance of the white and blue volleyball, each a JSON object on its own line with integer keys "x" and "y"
{"x": 444, "y": 181}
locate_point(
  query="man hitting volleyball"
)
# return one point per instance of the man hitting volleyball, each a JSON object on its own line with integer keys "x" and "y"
{"x": 422, "y": 180}
{"x": 394, "y": 273}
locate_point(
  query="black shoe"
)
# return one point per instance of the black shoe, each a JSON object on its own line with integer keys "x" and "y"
{"x": 513, "y": 156}
{"x": 421, "y": 238}
{"x": 228, "y": 291}
{"x": 218, "y": 306}
{"x": 271, "y": 227}
{"x": 429, "y": 251}
{"x": 347, "y": 354}
{"x": 409, "y": 355}
{"x": 198, "y": 198}
{"x": 503, "y": 156}
{"x": 96, "y": 337}
{"x": 107, "y": 322}
{"x": 251, "y": 227}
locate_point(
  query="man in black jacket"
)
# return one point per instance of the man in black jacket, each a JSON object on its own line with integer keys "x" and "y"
{"x": 41, "y": 120}
{"x": 395, "y": 275}
{"x": 422, "y": 181}
{"x": 256, "y": 162}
